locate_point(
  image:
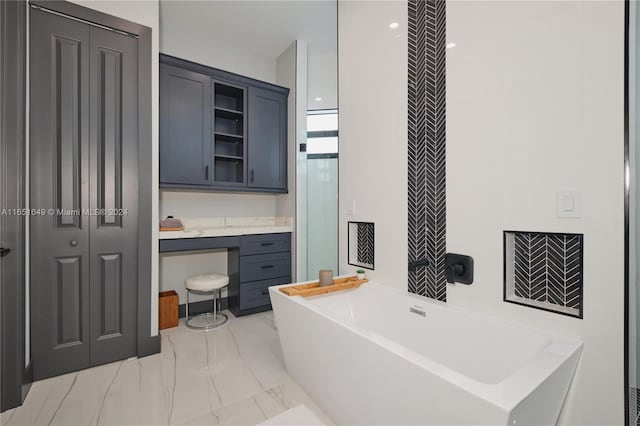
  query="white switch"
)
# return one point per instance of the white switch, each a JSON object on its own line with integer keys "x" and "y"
{"x": 569, "y": 204}
{"x": 352, "y": 211}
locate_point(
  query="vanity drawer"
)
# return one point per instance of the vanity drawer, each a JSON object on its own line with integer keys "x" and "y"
{"x": 265, "y": 243}
{"x": 256, "y": 293}
{"x": 265, "y": 266}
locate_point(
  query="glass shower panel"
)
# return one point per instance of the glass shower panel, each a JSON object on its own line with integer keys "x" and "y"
{"x": 322, "y": 213}
{"x": 320, "y": 201}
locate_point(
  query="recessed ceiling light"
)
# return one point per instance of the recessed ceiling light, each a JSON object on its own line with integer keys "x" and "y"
{"x": 451, "y": 45}
{"x": 318, "y": 99}
{"x": 394, "y": 25}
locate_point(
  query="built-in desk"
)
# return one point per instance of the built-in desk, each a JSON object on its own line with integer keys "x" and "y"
{"x": 258, "y": 257}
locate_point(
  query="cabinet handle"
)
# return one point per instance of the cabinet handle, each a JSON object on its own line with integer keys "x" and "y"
{"x": 4, "y": 251}
{"x": 267, "y": 266}
{"x": 266, "y": 244}
{"x": 206, "y": 172}
{"x": 73, "y": 243}
{"x": 265, "y": 292}
{"x": 251, "y": 176}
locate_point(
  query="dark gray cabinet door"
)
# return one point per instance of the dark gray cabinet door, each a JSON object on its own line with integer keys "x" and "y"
{"x": 267, "y": 139}
{"x": 113, "y": 195}
{"x": 185, "y": 126}
{"x": 84, "y": 156}
{"x": 59, "y": 156}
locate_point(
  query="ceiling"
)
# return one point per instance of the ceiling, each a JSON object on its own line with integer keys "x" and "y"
{"x": 263, "y": 27}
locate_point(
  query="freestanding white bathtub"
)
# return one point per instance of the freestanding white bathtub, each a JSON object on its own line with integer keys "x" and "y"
{"x": 368, "y": 356}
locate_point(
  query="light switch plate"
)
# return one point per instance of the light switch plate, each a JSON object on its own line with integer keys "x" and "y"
{"x": 351, "y": 212}
{"x": 569, "y": 204}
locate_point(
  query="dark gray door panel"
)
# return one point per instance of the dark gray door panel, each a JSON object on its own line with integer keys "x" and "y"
{"x": 267, "y": 139}
{"x": 59, "y": 158}
{"x": 185, "y": 126}
{"x": 84, "y": 165}
{"x": 15, "y": 378}
{"x": 113, "y": 245}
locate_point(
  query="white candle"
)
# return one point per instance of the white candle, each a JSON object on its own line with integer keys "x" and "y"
{"x": 326, "y": 277}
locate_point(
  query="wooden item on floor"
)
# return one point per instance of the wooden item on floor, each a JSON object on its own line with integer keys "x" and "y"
{"x": 314, "y": 288}
{"x": 179, "y": 228}
{"x": 168, "y": 309}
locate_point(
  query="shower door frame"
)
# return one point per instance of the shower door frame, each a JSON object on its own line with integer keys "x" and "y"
{"x": 627, "y": 185}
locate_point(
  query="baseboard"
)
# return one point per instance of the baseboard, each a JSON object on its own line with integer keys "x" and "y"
{"x": 239, "y": 313}
{"x": 27, "y": 380}
{"x": 201, "y": 307}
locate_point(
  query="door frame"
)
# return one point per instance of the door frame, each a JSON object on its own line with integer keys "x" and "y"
{"x": 16, "y": 377}
{"x": 627, "y": 194}
{"x": 146, "y": 343}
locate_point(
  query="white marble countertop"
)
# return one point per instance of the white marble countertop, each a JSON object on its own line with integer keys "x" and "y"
{"x": 228, "y": 226}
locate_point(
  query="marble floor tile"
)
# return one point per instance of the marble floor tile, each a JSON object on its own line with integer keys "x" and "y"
{"x": 42, "y": 402}
{"x": 137, "y": 395}
{"x": 209, "y": 419}
{"x": 288, "y": 395}
{"x": 232, "y": 375}
{"x": 241, "y": 413}
{"x": 296, "y": 416}
{"x": 6, "y": 416}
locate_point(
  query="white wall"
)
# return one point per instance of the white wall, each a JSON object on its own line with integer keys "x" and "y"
{"x": 287, "y": 74}
{"x": 323, "y": 78}
{"x": 373, "y": 131}
{"x": 534, "y": 105}
{"x": 175, "y": 267}
{"x": 197, "y": 43}
{"x": 144, "y": 12}
{"x": 203, "y": 204}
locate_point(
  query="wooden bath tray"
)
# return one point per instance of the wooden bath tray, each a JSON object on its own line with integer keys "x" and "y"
{"x": 314, "y": 289}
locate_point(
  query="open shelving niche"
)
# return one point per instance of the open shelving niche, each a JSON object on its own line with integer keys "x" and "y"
{"x": 229, "y": 133}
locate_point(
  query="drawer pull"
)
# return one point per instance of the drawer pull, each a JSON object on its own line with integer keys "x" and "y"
{"x": 265, "y": 292}
{"x": 266, "y": 244}
{"x": 267, "y": 266}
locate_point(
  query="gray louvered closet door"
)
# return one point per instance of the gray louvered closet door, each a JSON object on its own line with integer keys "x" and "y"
{"x": 83, "y": 159}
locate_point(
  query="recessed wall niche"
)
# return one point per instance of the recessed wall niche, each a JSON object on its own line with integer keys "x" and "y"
{"x": 544, "y": 270}
{"x": 361, "y": 241}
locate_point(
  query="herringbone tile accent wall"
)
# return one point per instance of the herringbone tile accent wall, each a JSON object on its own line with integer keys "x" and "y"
{"x": 361, "y": 244}
{"x": 544, "y": 270}
{"x": 365, "y": 243}
{"x": 426, "y": 143}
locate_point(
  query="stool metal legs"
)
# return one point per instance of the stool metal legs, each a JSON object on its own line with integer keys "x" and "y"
{"x": 187, "y": 309}
{"x": 208, "y": 320}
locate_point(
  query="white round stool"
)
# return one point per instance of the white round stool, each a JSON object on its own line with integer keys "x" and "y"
{"x": 202, "y": 284}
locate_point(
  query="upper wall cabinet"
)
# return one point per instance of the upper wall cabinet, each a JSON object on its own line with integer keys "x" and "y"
{"x": 220, "y": 131}
{"x": 267, "y": 130}
{"x": 184, "y": 126}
